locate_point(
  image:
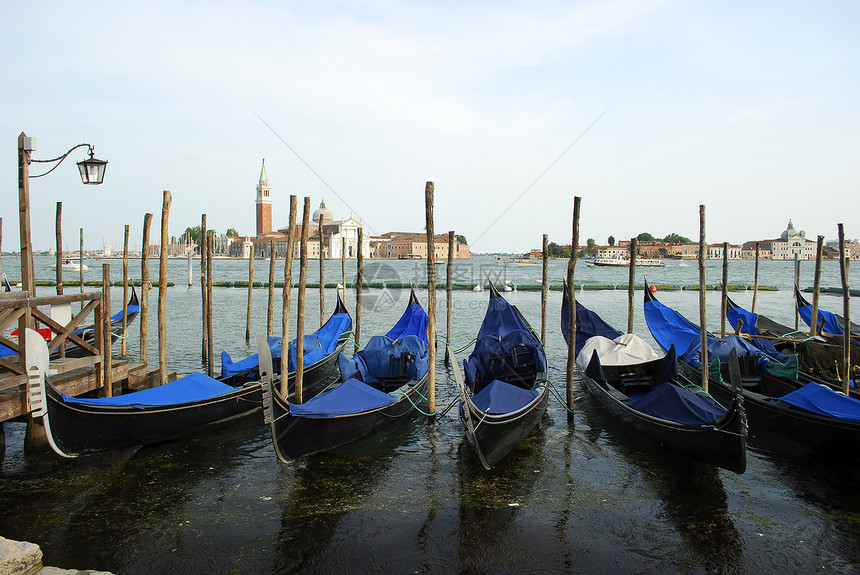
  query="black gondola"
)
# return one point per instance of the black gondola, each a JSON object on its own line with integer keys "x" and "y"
{"x": 644, "y": 390}
{"x": 189, "y": 404}
{"x": 380, "y": 384}
{"x": 829, "y": 323}
{"x": 811, "y": 415}
{"x": 505, "y": 391}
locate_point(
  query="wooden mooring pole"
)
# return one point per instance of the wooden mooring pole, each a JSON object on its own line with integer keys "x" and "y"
{"x": 544, "y": 287}
{"x": 124, "y": 289}
{"x": 797, "y": 285}
{"x": 210, "y": 343}
{"x": 270, "y": 311}
{"x": 300, "y": 311}
{"x": 359, "y": 280}
{"x": 81, "y": 264}
{"x": 204, "y": 346}
{"x": 816, "y": 289}
{"x": 145, "y": 286}
{"x": 725, "y": 293}
{"x": 431, "y": 298}
{"x": 631, "y": 284}
{"x": 343, "y": 268}
{"x": 702, "y": 316}
{"x": 285, "y": 317}
{"x": 571, "y": 324}
{"x": 108, "y": 332}
{"x": 250, "y": 293}
{"x": 322, "y": 272}
{"x": 846, "y": 313}
{"x": 60, "y": 253}
{"x": 449, "y": 280}
{"x": 755, "y": 279}
{"x": 162, "y": 290}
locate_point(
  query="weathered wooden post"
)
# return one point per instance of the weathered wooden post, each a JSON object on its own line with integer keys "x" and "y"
{"x": 270, "y": 311}
{"x": 250, "y": 293}
{"x": 631, "y": 284}
{"x": 210, "y": 340}
{"x": 124, "y": 290}
{"x": 145, "y": 286}
{"x": 322, "y": 274}
{"x": 755, "y": 281}
{"x": 797, "y": 286}
{"x": 81, "y": 264}
{"x": 204, "y": 245}
{"x": 190, "y": 273}
{"x": 702, "y": 316}
{"x": 725, "y": 293}
{"x": 60, "y": 254}
{"x": 816, "y": 289}
{"x": 544, "y": 287}
{"x": 431, "y": 298}
{"x": 108, "y": 332}
{"x": 288, "y": 281}
{"x": 162, "y": 290}
{"x": 449, "y": 279}
{"x": 343, "y": 267}
{"x": 359, "y": 279}
{"x": 300, "y": 311}
{"x": 846, "y": 313}
{"x": 571, "y": 323}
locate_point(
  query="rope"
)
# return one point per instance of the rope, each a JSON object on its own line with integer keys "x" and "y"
{"x": 447, "y": 409}
{"x": 558, "y": 396}
{"x": 418, "y": 409}
{"x": 465, "y": 347}
{"x": 695, "y": 388}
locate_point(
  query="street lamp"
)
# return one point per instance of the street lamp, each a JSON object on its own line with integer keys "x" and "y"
{"x": 92, "y": 172}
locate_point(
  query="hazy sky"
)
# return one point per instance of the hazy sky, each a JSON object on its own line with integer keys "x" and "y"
{"x": 645, "y": 109}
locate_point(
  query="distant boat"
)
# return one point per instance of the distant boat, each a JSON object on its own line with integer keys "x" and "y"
{"x": 623, "y": 263}
{"x": 69, "y": 264}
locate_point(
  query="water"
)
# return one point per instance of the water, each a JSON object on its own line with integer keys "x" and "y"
{"x": 588, "y": 498}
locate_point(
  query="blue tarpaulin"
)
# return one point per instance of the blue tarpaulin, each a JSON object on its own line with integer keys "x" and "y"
{"x": 498, "y": 397}
{"x": 749, "y": 326}
{"x": 816, "y": 398}
{"x": 832, "y": 323}
{"x": 588, "y": 324}
{"x": 192, "y": 387}
{"x": 412, "y": 322}
{"x": 674, "y": 403}
{"x": 384, "y": 357}
{"x": 351, "y": 396}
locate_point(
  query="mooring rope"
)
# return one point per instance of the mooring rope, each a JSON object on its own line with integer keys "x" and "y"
{"x": 558, "y": 396}
{"x": 418, "y": 409}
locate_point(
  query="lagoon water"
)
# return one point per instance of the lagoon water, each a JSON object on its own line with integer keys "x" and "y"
{"x": 582, "y": 497}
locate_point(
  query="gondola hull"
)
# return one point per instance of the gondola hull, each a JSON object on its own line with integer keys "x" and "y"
{"x": 494, "y": 436}
{"x": 299, "y": 436}
{"x": 724, "y": 446}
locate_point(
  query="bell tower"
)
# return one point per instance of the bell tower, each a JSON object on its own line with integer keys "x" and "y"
{"x": 264, "y": 203}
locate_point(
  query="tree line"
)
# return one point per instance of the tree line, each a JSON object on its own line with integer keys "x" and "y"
{"x": 555, "y": 250}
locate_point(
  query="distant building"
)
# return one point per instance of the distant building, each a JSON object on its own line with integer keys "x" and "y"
{"x": 413, "y": 245}
{"x": 790, "y": 242}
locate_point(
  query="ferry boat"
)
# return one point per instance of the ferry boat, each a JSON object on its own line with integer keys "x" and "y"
{"x": 623, "y": 263}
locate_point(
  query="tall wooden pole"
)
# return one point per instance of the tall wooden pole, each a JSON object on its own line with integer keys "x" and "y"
{"x": 210, "y": 340}
{"x": 190, "y": 272}
{"x": 145, "y": 286}
{"x": 343, "y": 266}
{"x": 162, "y": 290}
{"x": 270, "y": 311}
{"x": 431, "y": 298}
{"x": 27, "y": 278}
{"x": 449, "y": 280}
{"x": 797, "y": 284}
{"x": 60, "y": 253}
{"x": 571, "y": 323}
{"x": 755, "y": 282}
{"x": 124, "y": 290}
{"x": 250, "y": 293}
{"x": 322, "y": 270}
{"x": 816, "y": 289}
{"x": 204, "y": 245}
{"x": 300, "y": 311}
{"x": 703, "y": 324}
{"x": 725, "y": 293}
{"x": 108, "y": 332}
{"x": 359, "y": 280}
{"x": 288, "y": 281}
{"x": 81, "y": 263}
{"x": 631, "y": 284}
{"x": 544, "y": 287}
{"x": 846, "y": 313}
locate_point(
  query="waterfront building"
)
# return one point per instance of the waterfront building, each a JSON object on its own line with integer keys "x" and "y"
{"x": 413, "y": 245}
{"x": 789, "y": 243}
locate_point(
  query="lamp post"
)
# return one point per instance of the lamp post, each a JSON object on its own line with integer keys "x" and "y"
{"x": 92, "y": 172}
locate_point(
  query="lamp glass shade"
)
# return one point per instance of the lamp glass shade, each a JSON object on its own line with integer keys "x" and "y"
{"x": 92, "y": 170}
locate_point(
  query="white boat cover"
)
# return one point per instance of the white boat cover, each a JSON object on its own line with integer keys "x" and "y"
{"x": 625, "y": 349}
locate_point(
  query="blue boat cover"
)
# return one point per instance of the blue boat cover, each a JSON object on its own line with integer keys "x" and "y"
{"x": 816, "y": 398}
{"x": 192, "y": 387}
{"x": 230, "y": 367}
{"x": 588, "y": 324}
{"x": 498, "y": 397}
{"x": 412, "y": 322}
{"x": 383, "y": 357}
{"x": 832, "y": 324}
{"x": 750, "y": 326}
{"x": 505, "y": 346}
{"x": 348, "y": 398}
{"x": 675, "y": 403}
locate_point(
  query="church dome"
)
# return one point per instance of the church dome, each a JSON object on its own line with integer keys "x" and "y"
{"x": 322, "y": 212}
{"x": 790, "y": 232}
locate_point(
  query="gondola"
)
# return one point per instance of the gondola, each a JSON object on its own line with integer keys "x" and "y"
{"x": 820, "y": 356}
{"x": 86, "y": 332}
{"x": 380, "y": 384}
{"x": 829, "y": 323}
{"x": 644, "y": 390}
{"x": 812, "y": 416}
{"x": 191, "y": 403}
{"x": 504, "y": 393}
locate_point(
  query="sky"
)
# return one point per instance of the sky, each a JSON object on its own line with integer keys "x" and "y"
{"x": 646, "y": 109}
